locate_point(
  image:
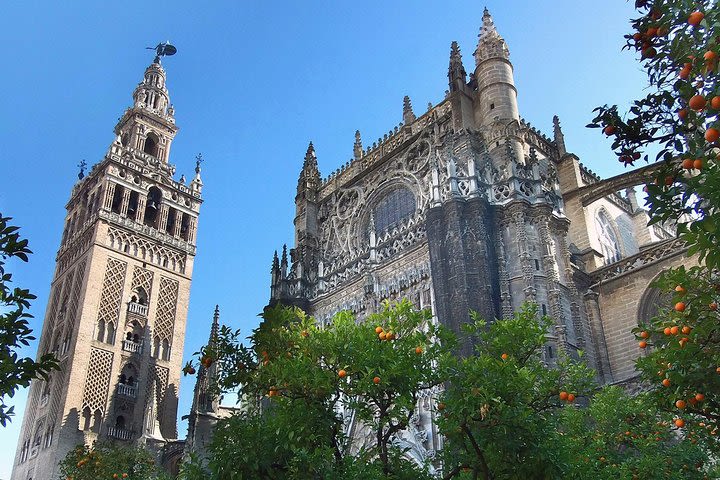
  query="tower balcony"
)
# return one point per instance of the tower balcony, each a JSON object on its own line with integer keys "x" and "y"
{"x": 120, "y": 433}
{"x": 126, "y": 390}
{"x": 131, "y": 346}
{"x": 138, "y": 309}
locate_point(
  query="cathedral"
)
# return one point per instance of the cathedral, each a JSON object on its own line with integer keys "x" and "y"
{"x": 462, "y": 207}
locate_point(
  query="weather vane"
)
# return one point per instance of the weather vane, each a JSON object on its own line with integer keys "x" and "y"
{"x": 198, "y": 161}
{"x": 164, "y": 49}
{"x": 81, "y": 166}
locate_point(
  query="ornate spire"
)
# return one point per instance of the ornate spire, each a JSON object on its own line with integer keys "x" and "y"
{"x": 559, "y": 137}
{"x": 309, "y": 180}
{"x": 408, "y": 115}
{"x": 456, "y": 70}
{"x": 490, "y": 43}
{"x": 284, "y": 262}
{"x": 215, "y": 325}
{"x": 197, "y": 184}
{"x": 357, "y": 146}
{"x": 275, "y": 261}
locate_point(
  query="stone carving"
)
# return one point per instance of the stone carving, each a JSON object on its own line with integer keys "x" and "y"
{"x": 111, "y": 296}
{"x": 97, "y": 383}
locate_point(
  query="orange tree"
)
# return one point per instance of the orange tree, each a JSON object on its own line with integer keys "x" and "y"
{"x": 110, "y": 461}
{"x": 679, "y": 43}
{"x": 503, "y": 400}
{"x": 301, "y": 383}
{"x": 620, "y": 436}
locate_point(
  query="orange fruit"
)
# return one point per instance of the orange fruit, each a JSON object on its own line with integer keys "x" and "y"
{"x": 504, "y": 356}
{"x": 679, "y": 422}
{"x": 680, "y": 289}
{"x": 440, "y": 406}
{"x": 695, "y": 18}
{"x": 713, "y": 306}
{"x": 697, "y": 102}
{"x": 686, "y": 330}
{"x": 699, "y": 397}
{"x": 571, "y": 397}
{"x": 124, "y": 475}
{"x": 649, "y": 52}
{"x": 644, "y": 334}
{"x": 712, "y": 135}
{"x": 669, "y": 180}
{"x": 115, "y": 475}
{"x": 418, "y": 350}
{"x": 382, "y": 335}
{"x": 667, "y": 331}
{"x": 342, "y": 374}
{"x": 687, "y": 164}
{"x": 609, "y": 130}
{"x": 376, "y": 380}
{"x": 680, "y": 307}
{"x": 674, "y": 330}
{"x": 642, "y": 344}
{"x": 666, "y": 382}
{"x": 304, "y": 333}
{"x": 651, "y": 32}
{"x": 680, "y": 404}
{"x": 685, "y": 73}
{"x": 717, "y": 369}
{"x": 682, "y": 113}
{"x": 378, "y": 329}
{"x": 715, "y": 102}
{"x": 563, "y": 396}
{"x": 698, "y": 164}
{"x": 710, "y": 56}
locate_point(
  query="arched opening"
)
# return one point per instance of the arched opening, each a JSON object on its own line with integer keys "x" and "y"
{"x": 152, "y": 207}
{"x": 165, "y": 349}
{"x": 139, "y": 296}
{"x": 97, "y": 421}
{"x": 117, "y": 198}
{"x": 110, "y": 333}
{"x": 156, "y": 347}
{"x": 133, "y": 204}
{"x": 120, "y": 422}
{"x": 101, "y": 330}
{"x": 86, "y": 417}
{"x": 151, "y": 144}
{"x": 125, "y": 139}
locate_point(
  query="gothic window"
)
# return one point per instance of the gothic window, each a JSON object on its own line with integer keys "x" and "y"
{"x": 120, "y": 422}
{"x": 117, "y": 198}
{"x": 97, "y": 420}
{"x": 390, "y": 211}
{"x": 156, "y": 347}
{"x": 49, "y": 436}
{"x": 170, "y": 225}
{"x": 154, "y": 199}
{"x": 151, "y": 144}
{"x": 185, "y": 226}
{"x": 125, "y": 139}
{"x": 609, "y": 246}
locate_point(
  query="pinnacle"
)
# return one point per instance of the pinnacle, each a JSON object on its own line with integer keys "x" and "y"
{"x": 454, "y": 49}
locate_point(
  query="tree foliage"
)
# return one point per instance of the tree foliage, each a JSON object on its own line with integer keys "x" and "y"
{"x": 679, "y": 44}
{"x": 15, "y": 331}
{"x": 110, "y": 461}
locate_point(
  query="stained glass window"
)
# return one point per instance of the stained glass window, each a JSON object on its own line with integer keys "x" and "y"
{"x": 608, "y": 240}
{"x": 395, "y": 207}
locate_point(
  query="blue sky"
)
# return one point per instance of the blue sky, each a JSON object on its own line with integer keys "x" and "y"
{"x": 253, "y": 83}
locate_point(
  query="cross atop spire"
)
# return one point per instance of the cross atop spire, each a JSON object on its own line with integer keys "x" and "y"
{"x": 490, "y": 43}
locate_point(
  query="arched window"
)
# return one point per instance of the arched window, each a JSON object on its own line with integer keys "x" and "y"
{"x": 110, "y": 333}
{"x": 120, "y": 422}
{"x": 151, "y": 144}
{"x": 391, "y": 210}
{"x": 86, "y": 418}
{"x": 156, "y": 347}
{"x": 117, "y": 198}
{"x": 97, "y": 420}
{"x": 609, "y": 245}
{"x": 101, "y": 330}
{"x": 165, "y": 349}
{"x": 152, "y": 206}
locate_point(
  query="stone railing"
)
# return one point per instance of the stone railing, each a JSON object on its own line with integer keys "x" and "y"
{"x": 650, "y": 255}
{"x": 132, "y": 347}
{"x": 151, "y": 232}
{"x": 127, "y": 390}
{"x": 138, "y": 309}
{"x": 120, "y": 433}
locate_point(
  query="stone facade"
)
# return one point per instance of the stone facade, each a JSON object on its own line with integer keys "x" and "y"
{"x": 467, "y": 207}
{"x": 119, "y": 298}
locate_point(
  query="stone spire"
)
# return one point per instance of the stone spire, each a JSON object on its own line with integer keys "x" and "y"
{"x": 309, "y": 180}
{"x": 490, "y": 43}
{"x": 559, "y": 137}
{"x": 357, "y": 146}
{"x": 456, "y": 70}
{"x": 408, "y": 115}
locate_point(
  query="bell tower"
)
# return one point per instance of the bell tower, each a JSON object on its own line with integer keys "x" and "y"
{"x": 119, "y": 296}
